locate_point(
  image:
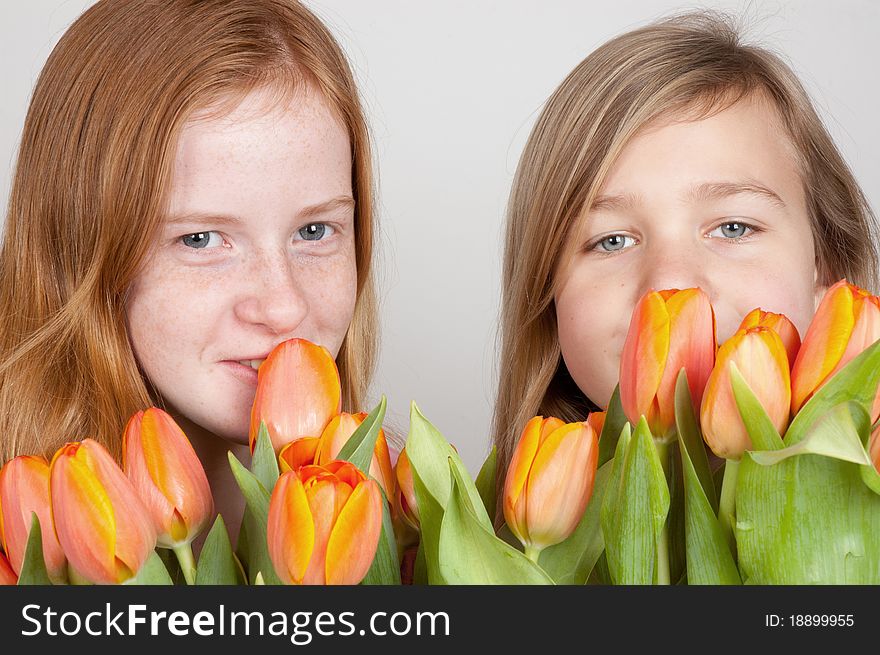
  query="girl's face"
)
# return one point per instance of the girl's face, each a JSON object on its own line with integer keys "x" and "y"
{"x": 716, "y": 203}
{"x": 258, "y": 247}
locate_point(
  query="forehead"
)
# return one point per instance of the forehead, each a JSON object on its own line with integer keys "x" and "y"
{"x": 734, "y": 142}
{"x": 225, "y": 155}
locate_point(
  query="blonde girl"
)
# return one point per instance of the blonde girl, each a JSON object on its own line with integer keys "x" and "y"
{"x": 673, "y": 156}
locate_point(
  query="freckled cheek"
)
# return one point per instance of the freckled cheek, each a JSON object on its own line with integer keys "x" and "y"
{"x": 330, "y": 285}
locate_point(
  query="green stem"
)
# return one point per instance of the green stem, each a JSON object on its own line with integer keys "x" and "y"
{"x": 727, "y": 503}
{"x": 533, "y": 553}
{"x": 184, "y": 555}
{"x": 74, "y": 577}
{"x": 663, "y": 577}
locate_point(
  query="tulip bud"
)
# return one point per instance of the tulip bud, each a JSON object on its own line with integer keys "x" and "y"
{"x": 168, "y": 477}
{"x": 7, "y": 575}
{"x": 24, "y": 489}
{"x": 549, "y": 481}
{"x": 405, "y": 499}
{"x": 103, "y": 527}
{"x": 298, "y": 392}
{"x": 336, "y": 435}
{"x": 780, "y": 324}
{"x": 324, "y": 524}
{"x": 846, "y": 323}
{"x": 761, "y": 359}
{"x": 669, "y": 330}
{"x": 299, "y": 452}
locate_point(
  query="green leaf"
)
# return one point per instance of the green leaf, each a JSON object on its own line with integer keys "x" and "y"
{"x": 471, "y": 554}
{"x": 385, "y": 569}
{"x": 837, "y": 435}
{"x": 486, "y": 483}
{"x": 264, "y": 463}
{"x": 431, "y": 516}
{"x": 634, "y": 512}
{"x": 806, "y": 520}
{"x": 571, "y": 561}
{"x": 615, "y": 419}
{"x": 33, "y": 566}
{"x": 420, "y": 568}
{"x": 857, "y": 381}
{"x": 217, "y": 563}
{"x": 360, "y": 446}
{"x": 761, "y": 430}
{"x": 153, "y": 572}
{"x": 428, "y": 453}
{"x": 709, "y": 560}
{"x": 254, "y": 522}
{"x": 690, "y": 437}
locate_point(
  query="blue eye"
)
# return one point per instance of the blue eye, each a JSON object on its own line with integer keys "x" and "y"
{"x": 314, "y": 231}
{"x": 732, "y": 230}
{"x": 200, "y": 240}
{"x": 613, "y": 243}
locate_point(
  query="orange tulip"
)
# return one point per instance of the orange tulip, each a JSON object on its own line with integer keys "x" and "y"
{"x": 168, "y": 477}
{"x": 669, "y": 330}
{"x": 324, "y": 524}
{"x": 24, "y": 489}
{"x": 549, "y": 481}
{"x": 596, "y": 420}
{"x": 846, "y": 323}
{"x": 298, "y": 452}
{"x": 405, "y": 498}
{"x": 780, "y": 324}
{"x": 7, "y": 575}
{"x": 339, "y": 431}
{"x": 298, "y": 392}
{"x": 761, "y": 358}
{"x": 103, "y": 527}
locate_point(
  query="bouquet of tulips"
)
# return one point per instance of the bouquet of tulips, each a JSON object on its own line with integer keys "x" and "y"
{"x": 787, "y": 495}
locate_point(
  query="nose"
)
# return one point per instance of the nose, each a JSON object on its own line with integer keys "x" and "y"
{"x": 674, "y": 264}
{"x": 272, "y": 297}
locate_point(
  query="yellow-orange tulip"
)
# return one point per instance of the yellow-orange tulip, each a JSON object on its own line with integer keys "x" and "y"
{"x": 669, "y": 330}
{"x": 846, "y": 323}
{"x": 298, "y": 392}
{"x": 324, "y": 524}
{"x": 405, "y": 498}
{"x": 339, "y": 431}
{"x": 299, "y": 452}
{"x": 103, "y": 527}
{"x": 7, "y": 575}
{"x": 168, "y": 477}
{"x": 780, "y": 324}
{"x": 549, "y": 481}
{"x": 24, "y": 488}
{"x": 761, "y": 358}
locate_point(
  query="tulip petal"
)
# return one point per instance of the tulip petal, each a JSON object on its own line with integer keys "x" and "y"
{"x": 299, "y": 452}
{"x": 355, "y": 536}
{"x": 290, "y": 529}
{"x": 83, "y": 515}
{"x": 518, "y": 474}
{"x": 7, "y": 575}
{"x": 644, "y": 356}
{"x": 824, "y": 344}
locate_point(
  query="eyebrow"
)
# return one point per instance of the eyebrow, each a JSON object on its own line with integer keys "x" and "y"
{"x": 311, "y": 211}
{"x": 702, "y": 192}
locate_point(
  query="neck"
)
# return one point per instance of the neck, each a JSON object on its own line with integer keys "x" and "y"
{"x": 213, "y": 454}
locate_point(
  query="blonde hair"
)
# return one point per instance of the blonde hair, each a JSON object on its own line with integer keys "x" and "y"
{"x": 694, "y": 61}
{"x": 92, "y": 179}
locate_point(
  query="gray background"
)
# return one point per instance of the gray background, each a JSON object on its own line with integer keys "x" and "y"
{"x": 452, "y": 89}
